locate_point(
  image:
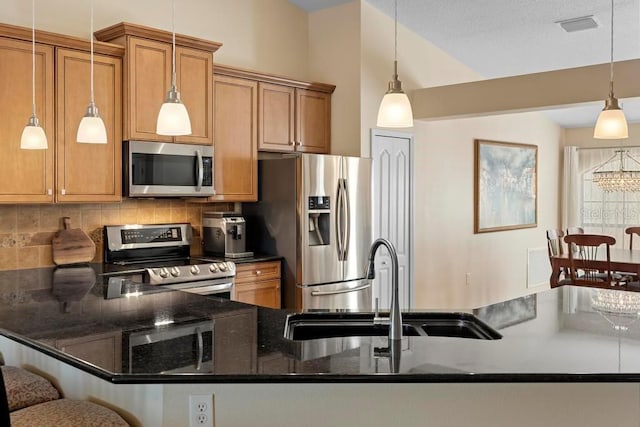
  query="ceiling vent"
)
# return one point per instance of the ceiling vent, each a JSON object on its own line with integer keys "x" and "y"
{"x": 578, "y": 24}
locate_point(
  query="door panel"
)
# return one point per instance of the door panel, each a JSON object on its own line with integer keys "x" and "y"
{"x": 392, "y": 213}
{"x": 320, "y": 262}
{"x": 357, "y": 173}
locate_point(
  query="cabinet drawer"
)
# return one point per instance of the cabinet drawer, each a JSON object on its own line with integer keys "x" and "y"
{"x": 265, "y": 293}
{"x": 253, "y": 272}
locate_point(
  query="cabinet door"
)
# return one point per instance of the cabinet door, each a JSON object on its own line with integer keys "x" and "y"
{"x": 148, "y": 78}
{"x": 265, "y": 293}
{"x": 88, "y": 172}
{"x": 193, "y": 75}
{"x": 313, "y": 121}
{"x": 235, "y": 129}
{"x": 277, "y": 114}
{"x": 26, "y": 175}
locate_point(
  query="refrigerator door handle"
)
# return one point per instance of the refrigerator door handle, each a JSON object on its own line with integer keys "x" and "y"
{"x": 341, "y": 291}
{"x": 339, "y": 219}
{"x": 347, "y": 223}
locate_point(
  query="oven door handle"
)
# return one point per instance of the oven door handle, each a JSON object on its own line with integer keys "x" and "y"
{"x": 341, "y": 291}
{"x": 199, "y": 170}
{"x": 202, "y": 289}
{"x": 200, "y": 349}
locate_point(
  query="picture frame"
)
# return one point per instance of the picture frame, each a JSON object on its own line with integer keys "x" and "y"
{"x": 506, "y": 186}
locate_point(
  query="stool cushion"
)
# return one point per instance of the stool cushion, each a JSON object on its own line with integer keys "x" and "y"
{"x": 67, "y": 412}
{"x": 25, "y": 388}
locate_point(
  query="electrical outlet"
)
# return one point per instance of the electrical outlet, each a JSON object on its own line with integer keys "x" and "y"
{"x": 201, "y": 410}
{"x": 468, "y": 276}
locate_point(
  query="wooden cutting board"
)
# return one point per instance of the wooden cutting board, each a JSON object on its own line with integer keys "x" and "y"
{"x": 72, "y": 246}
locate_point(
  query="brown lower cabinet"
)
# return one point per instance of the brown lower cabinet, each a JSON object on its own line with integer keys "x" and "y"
{"x": 258, "y": 283}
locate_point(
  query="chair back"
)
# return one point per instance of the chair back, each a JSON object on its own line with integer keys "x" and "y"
{"x": 555, "y": 246}
{"x": 575, "y": 230}
{"x": 631, "y": 231}
{"x": 587, "y": 259}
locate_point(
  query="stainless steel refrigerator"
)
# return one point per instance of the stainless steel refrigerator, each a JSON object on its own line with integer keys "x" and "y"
{"x": 315, "y": 211}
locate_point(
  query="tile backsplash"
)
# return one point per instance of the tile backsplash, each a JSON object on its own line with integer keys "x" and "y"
{"x": 26, "y": 230}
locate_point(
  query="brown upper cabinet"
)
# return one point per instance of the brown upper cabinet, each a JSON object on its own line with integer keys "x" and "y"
{"x": 294, "y": 119}
{"x": 236, "y": 143}
{"x": 256, "y": 111}
{"x": 147, "y": 79}
{"x": 78, "y": 172}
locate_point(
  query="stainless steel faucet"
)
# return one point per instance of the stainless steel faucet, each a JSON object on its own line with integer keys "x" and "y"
{"x": 395, "y": 317}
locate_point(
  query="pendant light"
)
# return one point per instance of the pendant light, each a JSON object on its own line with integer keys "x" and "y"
{"x": 395, "y": 108}
{"x": 91, "y": 129}
{"x": 173, "y": 118}
{"x": 611, "y": 123}
{"x": 33, "y": 136}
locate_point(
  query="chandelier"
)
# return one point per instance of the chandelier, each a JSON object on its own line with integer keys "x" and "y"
{"x": 617, "y": 303}
{"x": 612, "y": 176}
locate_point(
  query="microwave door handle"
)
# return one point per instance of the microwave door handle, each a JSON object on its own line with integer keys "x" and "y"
{"x": 200, "y": 349}
{"x": 199, "y": 170}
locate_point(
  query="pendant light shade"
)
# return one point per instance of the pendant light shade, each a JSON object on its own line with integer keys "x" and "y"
{"x": 395, "y": 109}
{"x": 33, "y": 136}
{"x": 611, "y": 123}
{"x": 91, "y": 129}
{"x": 173, "y": 119}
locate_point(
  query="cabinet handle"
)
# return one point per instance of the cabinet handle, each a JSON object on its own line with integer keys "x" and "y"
{"x": 49, "y": 192}
{"x": 258, "y": 272}
{"x": 63, "y": 191}
{"x": 298, "y": 143}
{"x": 292, "y": 143}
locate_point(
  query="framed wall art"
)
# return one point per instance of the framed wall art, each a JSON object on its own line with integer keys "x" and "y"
{"x": 506, "y": 189}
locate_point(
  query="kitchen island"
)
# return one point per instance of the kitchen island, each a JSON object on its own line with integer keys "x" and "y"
{"x": 561, "y": 347}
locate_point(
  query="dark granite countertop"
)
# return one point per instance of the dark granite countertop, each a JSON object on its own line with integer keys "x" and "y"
{"x": 561, "y": 335}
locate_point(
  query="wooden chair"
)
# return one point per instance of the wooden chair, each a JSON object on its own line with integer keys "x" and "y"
{"x": 631, "y": 231}
{"x": 555, "y": 247}
{"x": 596, "y": 268}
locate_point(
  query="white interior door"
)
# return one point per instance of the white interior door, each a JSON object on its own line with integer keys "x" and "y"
{"x": 392, "y": 190}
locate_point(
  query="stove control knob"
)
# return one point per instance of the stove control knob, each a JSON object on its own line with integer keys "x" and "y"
{"x": 164, "y": 273}
{"x": 222, "y": 266}
{"x": 213, "y": 268}
{"x": 230, "y": 266}
{"x": 175, "y": 271}
{"x": 195, "y": 269}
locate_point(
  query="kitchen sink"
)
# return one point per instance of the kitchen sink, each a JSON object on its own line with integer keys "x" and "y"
{"x": 310, "y": 326}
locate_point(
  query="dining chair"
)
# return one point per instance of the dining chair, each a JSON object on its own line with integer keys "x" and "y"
{"x": 555, "y": 247}
{"x": 575, "y": 230}
{"x": 631, "y": 231}
{"x": 595, "y": 267}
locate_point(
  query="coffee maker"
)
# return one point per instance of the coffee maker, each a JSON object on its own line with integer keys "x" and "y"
{"x": 224, "y": 234}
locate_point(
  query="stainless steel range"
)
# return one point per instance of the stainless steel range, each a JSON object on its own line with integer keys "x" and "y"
{"x": 158, "y": 254}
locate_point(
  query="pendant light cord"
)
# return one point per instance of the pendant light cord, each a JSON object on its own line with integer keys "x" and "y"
{"x": 33, "y": 57}
{"x": 173, "y": 42}
{"x": 611, "y": 52}
{"x": 91, "y": 38}
{"x": 395, "y": 48}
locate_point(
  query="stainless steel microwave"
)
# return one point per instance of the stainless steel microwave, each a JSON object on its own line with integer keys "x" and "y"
{"x": 156, "y": 169}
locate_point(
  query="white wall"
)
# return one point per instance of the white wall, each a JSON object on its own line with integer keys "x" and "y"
{"x": 445, "y": 246}
{"x": 334, "y": 56}
{"x": 269, "y": 36}
{"x": 583, "y": 137}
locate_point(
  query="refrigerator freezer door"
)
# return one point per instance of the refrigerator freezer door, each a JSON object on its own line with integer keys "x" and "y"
{"x": 353, "y": 296}
{"x": 319, "y": 199}
{"x": 356, "y": 173}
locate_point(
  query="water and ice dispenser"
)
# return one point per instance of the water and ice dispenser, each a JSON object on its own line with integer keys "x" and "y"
{"x": 319, "y": 220}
